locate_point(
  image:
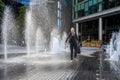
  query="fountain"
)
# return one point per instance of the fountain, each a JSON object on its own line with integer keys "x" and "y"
{"x": 57, "y": 43}
{"x": 37, "y": 29}
{"x": 42, "y": 35}
{"x": 113, "y": 53}
{"x": 41, "y": 31}
{"x": 38, "y": 22}
{"x": 113, "y": 50}
{"x": 7, "y": 29}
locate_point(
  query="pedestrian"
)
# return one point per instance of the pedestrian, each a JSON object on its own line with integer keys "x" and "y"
{"x": 73, "y": 40}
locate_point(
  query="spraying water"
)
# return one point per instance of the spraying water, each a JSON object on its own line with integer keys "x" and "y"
{"x": 7, "y": 26}
{"x": 113, "y": 53}
{"x": 41, "y": 30}
{"x": 113, "y": 50}
{"x": 37, "y": 26}
{"x": 28, "y": 29}
{"x": 57, "y": 42}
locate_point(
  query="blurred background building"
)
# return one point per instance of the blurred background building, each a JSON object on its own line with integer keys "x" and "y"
{"x": 96, "y": 18}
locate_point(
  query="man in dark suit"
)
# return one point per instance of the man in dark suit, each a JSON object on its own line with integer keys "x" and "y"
{"x": 73, "y": 40}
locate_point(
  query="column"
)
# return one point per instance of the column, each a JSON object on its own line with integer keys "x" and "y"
{"x": 59, "y": 14}
{"x": 81, "y": 32}
{"x": 77, "y": 29}
{"x": 100, "y": 28}
{"x": 105, "y": 27}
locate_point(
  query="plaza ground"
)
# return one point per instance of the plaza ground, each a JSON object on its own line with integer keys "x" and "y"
{"x": 50, "y": 66}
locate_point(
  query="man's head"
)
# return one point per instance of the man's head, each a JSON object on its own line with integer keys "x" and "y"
{"x": 72, "y": 30}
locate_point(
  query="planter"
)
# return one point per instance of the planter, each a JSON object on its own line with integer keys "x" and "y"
{"x": 98, "y": 44}
{"x": 92, "y": 44}
{"x": 88, "y": 44}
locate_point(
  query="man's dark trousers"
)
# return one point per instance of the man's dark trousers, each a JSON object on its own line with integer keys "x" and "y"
{"x": 72, "y": 48}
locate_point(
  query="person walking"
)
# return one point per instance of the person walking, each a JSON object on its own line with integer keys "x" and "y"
{"x": 73, "y": 40}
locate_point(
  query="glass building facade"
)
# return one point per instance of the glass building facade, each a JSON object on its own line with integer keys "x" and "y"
{"x": 96, "y": 18}
{"x": 85, "y": 7}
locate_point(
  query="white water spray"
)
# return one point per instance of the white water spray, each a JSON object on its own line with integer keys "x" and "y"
{"x": 28, "y": 30}
{"x": 113, "y": 50}
{"x": 7, "y": 29}
{"x": 41, "y": 34}
{"x": 37, "y": 31}
{"x": 57, "y": 42}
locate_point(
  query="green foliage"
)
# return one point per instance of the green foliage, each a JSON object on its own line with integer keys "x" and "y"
{"x": 21, "y": 16}
{"x": 20, "y": 24}
{"x": 2, "y": 6}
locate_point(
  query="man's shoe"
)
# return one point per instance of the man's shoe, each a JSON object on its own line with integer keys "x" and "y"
{"x": 71, "y": 61}
{"x": 76, "y": 59}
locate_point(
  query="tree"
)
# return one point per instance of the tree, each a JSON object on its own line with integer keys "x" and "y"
{"x": 2, "y": 6}
{"x": 20, "y": 24}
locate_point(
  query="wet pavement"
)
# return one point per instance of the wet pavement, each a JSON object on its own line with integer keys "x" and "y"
{"x": 96, "y": 68}
{"x": 50, "y": 66}
{"x": 38, "y": 67}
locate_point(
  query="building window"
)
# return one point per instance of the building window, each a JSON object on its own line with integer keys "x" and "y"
{"x": 93, "y": 9}
{"x": 94, "y": 2}
{"x": 81, "y": 13}
{"x": 80, "y": 1}
{"x": 86, "y": 8}
{"x": 74, "y": 2}
{"x": 109, "y": 4}
{"x": 90, "y": 3}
